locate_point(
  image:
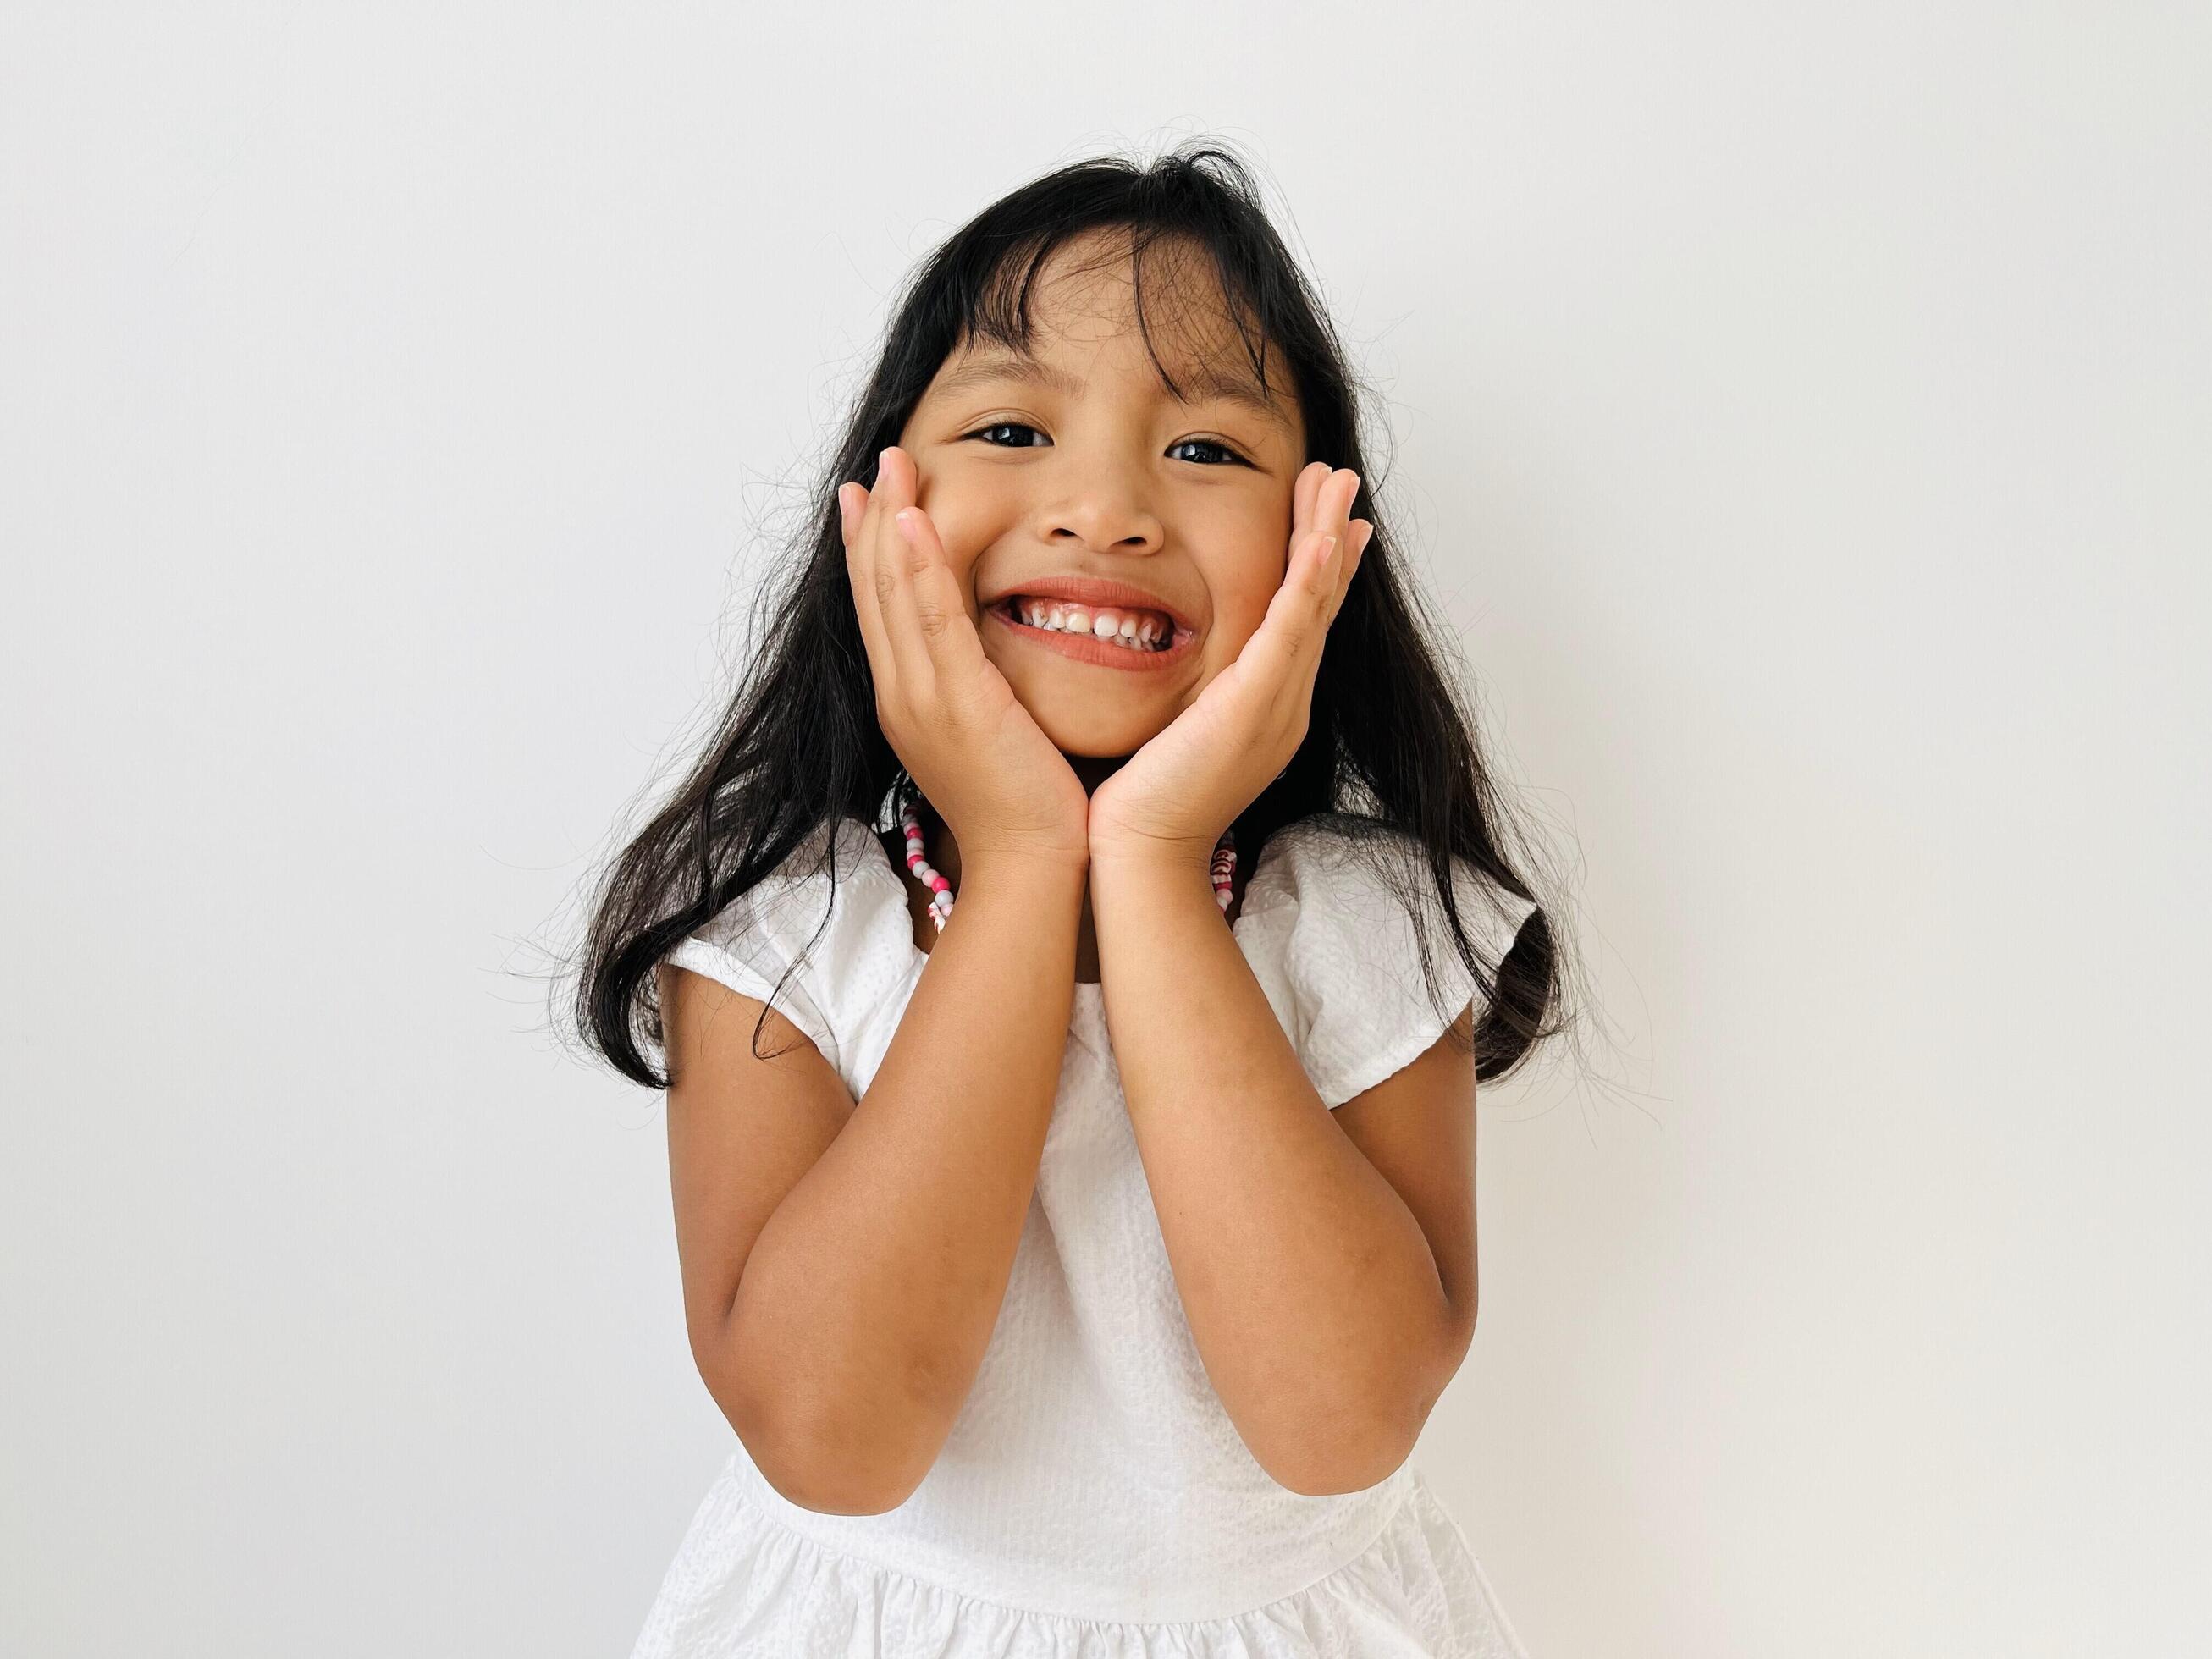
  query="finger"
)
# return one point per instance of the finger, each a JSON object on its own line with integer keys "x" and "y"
{"x": 1325, "y": 494}
{"x": 1342, "y": 565}
{"x": 1286, "y": 650}
{"x": 1303, "y": 493}
{"x": 895, "y": 559}
{"x": 1338, "y": 497}
{"x": 1334, "y": 581}
{"x": 860, "y": 559}
{"x": 941, "y": 614}
{"x": 1333, "y": 503}
{"x": 1294, "y": 620}
{"x": 1334, "y": 491}
{"x": 1351, "y": 535}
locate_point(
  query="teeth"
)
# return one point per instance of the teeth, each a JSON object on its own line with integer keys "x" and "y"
{"x": 1135, "y": 631}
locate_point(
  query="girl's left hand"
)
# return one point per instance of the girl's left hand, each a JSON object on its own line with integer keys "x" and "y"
{"x": 1174, "y": 796}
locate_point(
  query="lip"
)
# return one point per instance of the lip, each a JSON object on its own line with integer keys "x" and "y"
{"x": 1096, "y": 591}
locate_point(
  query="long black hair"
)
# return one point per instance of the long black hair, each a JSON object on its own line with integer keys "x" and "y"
{"x": 1390, "y": 745}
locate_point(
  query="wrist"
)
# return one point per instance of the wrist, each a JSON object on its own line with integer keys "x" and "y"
{"x": 1147, "y": 875}
{"x": 1040, "y": 873}
{"x": 1152, "y": 853}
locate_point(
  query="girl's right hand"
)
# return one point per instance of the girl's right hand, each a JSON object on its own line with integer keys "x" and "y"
{"x": 982, "y": 761}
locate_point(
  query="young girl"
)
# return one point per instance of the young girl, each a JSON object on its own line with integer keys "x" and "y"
{"x": 1079, "y": 1259}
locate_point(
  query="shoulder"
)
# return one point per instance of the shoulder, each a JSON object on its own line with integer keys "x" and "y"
{"x": 1363, "y": 871}
{"x": 822, "y": 937}
{"x": 1333, "y": 924}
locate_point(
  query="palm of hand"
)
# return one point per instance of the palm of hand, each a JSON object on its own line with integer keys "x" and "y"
{"x": 1018, "y": 743}
{"x": 1163, "y": 793}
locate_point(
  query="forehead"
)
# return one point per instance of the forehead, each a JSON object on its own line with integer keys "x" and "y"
{"x": 1089, "y": 325}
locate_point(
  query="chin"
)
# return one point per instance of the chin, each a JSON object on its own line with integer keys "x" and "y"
{"x": 1093, "y": 741}
{"x": 1091, "y": 723}
{"x": 1097, "y": 734}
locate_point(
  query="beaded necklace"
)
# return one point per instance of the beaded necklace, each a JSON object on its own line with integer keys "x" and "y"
{"x": 1222, "y": 870}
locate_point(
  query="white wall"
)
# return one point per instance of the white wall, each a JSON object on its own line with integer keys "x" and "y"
{"x": 1805, "y": 411}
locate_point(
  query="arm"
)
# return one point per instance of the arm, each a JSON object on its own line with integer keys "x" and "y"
{"x": 1330, "y": 1310}
{"x": 844, "y": 1264}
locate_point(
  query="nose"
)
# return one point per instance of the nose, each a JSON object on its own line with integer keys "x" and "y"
{"x": 1104, "y": 517}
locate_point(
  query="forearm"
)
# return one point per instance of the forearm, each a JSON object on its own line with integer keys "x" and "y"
{"x": 869, "y": 1298}
{"x": 1311, "y": 1289}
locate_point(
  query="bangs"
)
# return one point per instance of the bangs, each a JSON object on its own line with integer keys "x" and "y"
{"x": 1172, "y": 276}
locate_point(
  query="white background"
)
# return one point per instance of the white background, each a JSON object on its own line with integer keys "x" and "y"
{"x": 1802, "y": 412}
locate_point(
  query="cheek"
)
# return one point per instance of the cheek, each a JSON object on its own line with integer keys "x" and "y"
{"x": 1241, "y": 591}
{"x": 961, "y": 530}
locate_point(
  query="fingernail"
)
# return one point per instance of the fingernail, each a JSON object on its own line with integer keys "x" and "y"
{"x": 884, "y": 456}
{"x": 1327, "y": 548}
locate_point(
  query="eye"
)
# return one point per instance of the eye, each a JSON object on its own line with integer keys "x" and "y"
{"x": 1003, "y": 426}
{"x": 1213, "y": 443}
{"x": 1233, "y": 458}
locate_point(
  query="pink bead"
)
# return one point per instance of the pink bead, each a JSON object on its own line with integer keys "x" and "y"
{"x": 940, "y": 884}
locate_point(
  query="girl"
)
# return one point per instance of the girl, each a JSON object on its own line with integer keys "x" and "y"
{"x": 1079, "y": 1263}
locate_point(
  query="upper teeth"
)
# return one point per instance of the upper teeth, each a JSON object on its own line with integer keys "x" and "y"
{"x": 1142, "y": 629}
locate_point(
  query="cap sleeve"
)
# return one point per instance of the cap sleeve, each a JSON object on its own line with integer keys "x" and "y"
{"x": 868, "y": 943}
{"x": 1338, "y": 954}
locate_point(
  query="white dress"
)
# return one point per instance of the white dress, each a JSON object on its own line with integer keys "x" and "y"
{"x": 1093, "y": 1500}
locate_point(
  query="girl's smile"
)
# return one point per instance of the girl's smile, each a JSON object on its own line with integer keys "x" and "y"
{"x": 1074, "y": 631}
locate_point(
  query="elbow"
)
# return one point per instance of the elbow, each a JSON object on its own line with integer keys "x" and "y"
{"x": 830, "y": 1485}
{"x": 811, "y": 1460}
{"x": 1345, "y": 1468}
{"x": 1363, "y": 1448}
{"x": 1356, "y": 1450}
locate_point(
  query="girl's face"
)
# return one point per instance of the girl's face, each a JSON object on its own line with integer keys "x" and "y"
{"x": 1079, "y": 464}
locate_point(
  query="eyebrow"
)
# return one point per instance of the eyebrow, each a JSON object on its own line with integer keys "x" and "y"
{"x": 1200, "y": 384}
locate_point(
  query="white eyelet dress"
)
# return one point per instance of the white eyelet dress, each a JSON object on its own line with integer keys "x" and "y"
{"x": 1093, "y": 1500}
